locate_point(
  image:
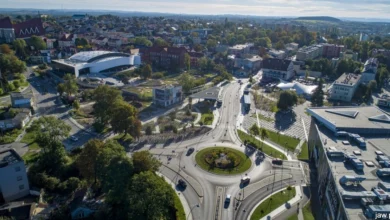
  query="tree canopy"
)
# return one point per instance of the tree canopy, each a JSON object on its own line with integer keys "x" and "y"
{"x": 287, "y": 99}
{"x": 105, "y": 97}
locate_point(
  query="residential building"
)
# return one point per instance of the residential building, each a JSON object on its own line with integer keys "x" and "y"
{"x": 49, "y": 43}
{"x": 349, "y": 149}
{"x": 102, "y": 41}
{"x": 349, "y": 54}
{"x": 364, "y": 37}
{"x": 79, "y": 208}
{"x": 194, "y": 58}
{"x": 278, "y": 68}
{"x": 44, "y": 56}
{"x": 331, "y": 50}
{"x": 7, "y": 32}
{"x": 112, "y": 42}
{"x": 280, "y": 54}
{"x": 220, "y": 48}
{"x": 13, "y": 176}
{"x": 240, "y": 49}
{"x": 249, "y": 65}
{"x": 370, "y": 70}
{"x": 167, "y": 95}
{"x": 67, "y": 40}
{"x": 292, "y": 46}
{"x": 345, "y": 86}
{"x": 384, "y": 52}
{"x": 384, "y": 101}
{"x": 29, "y": 28}
{"x": 164, "y": 57}
{"x": 22, "y": 100}
{"x": 22, "y": 117}
{"x": 309, "y": 53}
{"x": 178, "y": 40}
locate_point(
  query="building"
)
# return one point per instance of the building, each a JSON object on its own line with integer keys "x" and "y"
{"x": 370, "y": 70}
{"x": 384, "y": 101}
{"x": 248, "y": 65}
{"x": 278, "y": 68}
{"x": 167, "y": 95}
{"x": 95, "y": 62}
{"x": 67, "y": 40}
{"x": 114, "y": 42}
{"x": 80, "y": 17}
{"x": 22, "y": 117}
{"x": 331, "y": 50}
{"x": 21, "y": 100}
{"x": 349, "y": 149}
{"x": 345, "y": 86}
{"x": 292, "y": 46}
{"x": 13, "y": 176}
{"x": 239, "y": 49}
{"x": 364, "y": 37}
{"x": 299, "y": 88}
{"x": 29, "y": 28}
{"x": 383, "y": 52}
{"x": 349, "y": 54}
{"x": 194, "y": 58}
{"x": 164, "y": 57}
{"x": 44, "y": 56}
{"x": 280, "y": 54}
{"x": 309, "y": 53}
{"x": 7, "y": 32}
{"x": 102, "y": 41}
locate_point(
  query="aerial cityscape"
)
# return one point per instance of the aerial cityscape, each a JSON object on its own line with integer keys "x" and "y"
{"x": 195, "y": 110}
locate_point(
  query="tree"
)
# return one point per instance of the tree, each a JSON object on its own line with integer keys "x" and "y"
{"x": 187, "y": 82}
{"x": 111, "y": 149}
{"x": 70, "y": 85}
{"x": 124, "y": 119}
{"x": 287, "y": 99}
{"x": 81, "y": 42}
{"x": 250, "y": 79}
{"x": 9, "y": 64}
{"x": 211, "y": 43}
{"x": 61, "y": 88}
{"x": 317, "y": 98}
{"x": 187, "y": 61}
{"x": 37, "y": 43}
{"x": 172, "y": 115}
{"x": 255, "y": 130}
{"x": 144, "y": 161}
{"x": 160, "y": 42}
{"x": 148, "y": 130}
{"x": 198, "y": 47}
{"x": 76, "y": 104}
{"x": 151, "y": 197}
{"x": 279, "y": 45}
{"x": 263, "y": 135}
{"x": 105, "y": 97}
{"x": 372, "y": 85}
{"x": 5, "y": 49}
{"x": 50, "y": 129}
{"x": 87, "y": 160}
{"x": 146, "y": 71}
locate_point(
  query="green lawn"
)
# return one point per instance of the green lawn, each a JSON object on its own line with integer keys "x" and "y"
{"x": 307, "y": 214}
{"x": 144, "y": 93}
{"x": 180, "y": 214}
{"x": 30, "y": 157}
{"x": 260, "y": 145}
{"x": 293, "y": 217}
{"x": 244, "y": 162}
{"x": 123, "y": 138}
{"x": 264, "y": 118}
{"x": 304, "y": 155}
{"x": 272, "y": 203}
{"x": 283, "y": 140}
{"x": 9, "y": 136}
{"x": 29, "y": 138}
{"x": 207, "y": 118}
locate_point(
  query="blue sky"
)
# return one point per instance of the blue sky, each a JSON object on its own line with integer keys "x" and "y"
{"x": 336, "y": 8}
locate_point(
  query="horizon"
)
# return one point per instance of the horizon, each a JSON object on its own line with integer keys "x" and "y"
{"x": 363, "y": 9}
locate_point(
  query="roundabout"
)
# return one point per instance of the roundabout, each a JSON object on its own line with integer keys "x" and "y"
{"x": 223, "y": 161}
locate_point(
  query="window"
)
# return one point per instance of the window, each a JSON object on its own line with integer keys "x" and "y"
{"x": 19, "y": 178}
{"x": 17, "y": 169}
{"x": 21, "y": 187}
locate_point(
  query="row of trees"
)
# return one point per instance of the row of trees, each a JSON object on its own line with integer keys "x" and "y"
{"x": 9, "y": 64}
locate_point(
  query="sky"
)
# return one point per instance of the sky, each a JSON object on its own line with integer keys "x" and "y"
{"x": 280, "y": 8}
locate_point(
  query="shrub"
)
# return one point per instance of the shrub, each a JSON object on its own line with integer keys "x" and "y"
{"x": 11, "y": 87}
{"x": 99, "y": 127}
{"x": 1, "y": 91}
{"x": 174, "y": 129}
{"x": 148, "y": 130}
{"x": 158, "y": 75}
{"x": 188, "y": 112}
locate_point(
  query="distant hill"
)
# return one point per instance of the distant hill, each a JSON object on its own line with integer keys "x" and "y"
{"x": 319, "y": 18}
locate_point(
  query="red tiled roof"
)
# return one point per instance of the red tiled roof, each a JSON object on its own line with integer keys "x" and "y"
{"x": 29, "y": 28}
{"x": 5, "y": 23}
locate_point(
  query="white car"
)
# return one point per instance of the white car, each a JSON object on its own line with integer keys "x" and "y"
{"x": 74, "y": 138}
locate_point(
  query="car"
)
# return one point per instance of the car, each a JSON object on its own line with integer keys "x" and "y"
{"x": 182, "y": 183}
{"x": 277, "y": 161}
{"x": 245, "y": 180}
{"x": 190, "y": 151}
{"x": 227, "y": 199}
{"x": 74, "y": 138}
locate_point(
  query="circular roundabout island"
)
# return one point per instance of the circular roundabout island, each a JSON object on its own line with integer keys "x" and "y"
{"x": 223, "y": 160}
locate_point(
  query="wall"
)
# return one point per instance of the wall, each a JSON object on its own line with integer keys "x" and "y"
{"x": 99, "y": 66}
{"x": 9, "y": 184}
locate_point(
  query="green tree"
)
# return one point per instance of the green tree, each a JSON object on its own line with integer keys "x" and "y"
{"x": 263, "y": 135}
{"x": 160, "y": 42}
{"x": 279, "y": 45}
{"x": 37, "y": 43}
{"x": 287, "y": 99}
{"x": 81, "y": 42}
{"x": 20, "y": 47}
{"x": 76, "y": 104}
{"x": 317, "y": 98}
{"x": 148, "y": 130}
{"x": 70, "y": 84}
{"x": 124, "y": 119}
{"x": 87, "y": 160}
{"x": 5, "y": 49}
{"x": 187, "y": 61}
{"x": 186, "y": 80}
{"x": 105, "y": 97}
{"x": 151, "y": 197}
{"x": 9, "y": 64}
{"x": 49, "y": 129}
{"x": 110, "y": 150}
{"x": 144, "y": 161}
{"x": 255, "y": 130}
{"x": 61, "y": 88}
{"x": 146, "y": 71}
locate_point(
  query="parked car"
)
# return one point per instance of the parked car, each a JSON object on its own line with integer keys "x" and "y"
{"x": 182, "y": 184}
{"x": 277, "y": 161}
{"x": 190, "y": 151}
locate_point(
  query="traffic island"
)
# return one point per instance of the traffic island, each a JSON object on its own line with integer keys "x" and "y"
{"x": 223, "y": 160}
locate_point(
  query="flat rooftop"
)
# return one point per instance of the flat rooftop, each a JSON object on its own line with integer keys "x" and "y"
{"x": 348, "y": 79}
{"x": 8, "y": 157}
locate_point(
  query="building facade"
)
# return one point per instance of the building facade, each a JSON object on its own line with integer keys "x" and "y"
{"x": 20, "y": 100}
{"x": 164, "y": 57}
{"x": 370, "y": 70}
{"x": 345, "y": 86}
{"x": 309, "y": 53}
{"x": 7, "y": 32}
{"x": 165, "y": 96}
{"x": 13, "y": 176}
{"x": 331, "y": 50}
{"x": 278, "y": 69}
{"x": 240, "y": 49}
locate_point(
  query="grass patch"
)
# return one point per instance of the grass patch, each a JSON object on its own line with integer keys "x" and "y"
{"x": 243, "y": 163}
{"x": 144, "y": 93}
{"x": 10, "y": 136}
{"x": 30, "y": 157}
{"x": 263, "y": 118}
{"x": 180, "y": 214}
{"x": 307, "y": 213}
{"x": 283, "y": 140}
{"x": 260, "y": 145}
{"x": 207, "y": 118}
{"x": 29, "y": 138}
{"x": 304, "y": 155}
{"x": 123, "y": 138}
{"x": 272, "y": 203}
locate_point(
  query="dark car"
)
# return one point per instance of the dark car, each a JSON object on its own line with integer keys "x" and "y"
{"x": 190, "y": 151}
{"x": 182, "y": 184}
{"x": 277, "y": 161}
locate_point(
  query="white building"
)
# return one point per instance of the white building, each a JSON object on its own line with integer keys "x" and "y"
{"x": 370, "y": 70}
{"x": 311, "y": 52}
{"x": 240, "y": 49}
{"x": 167, "y": 95}
{"x": 344, "y": 87}
{"x": 96, "y": 62}
{"x": 278, "y": 69}
{"x": 280, "y": 54}
{"x": 299, "y": 88}
{"x": 13, "y": 176}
